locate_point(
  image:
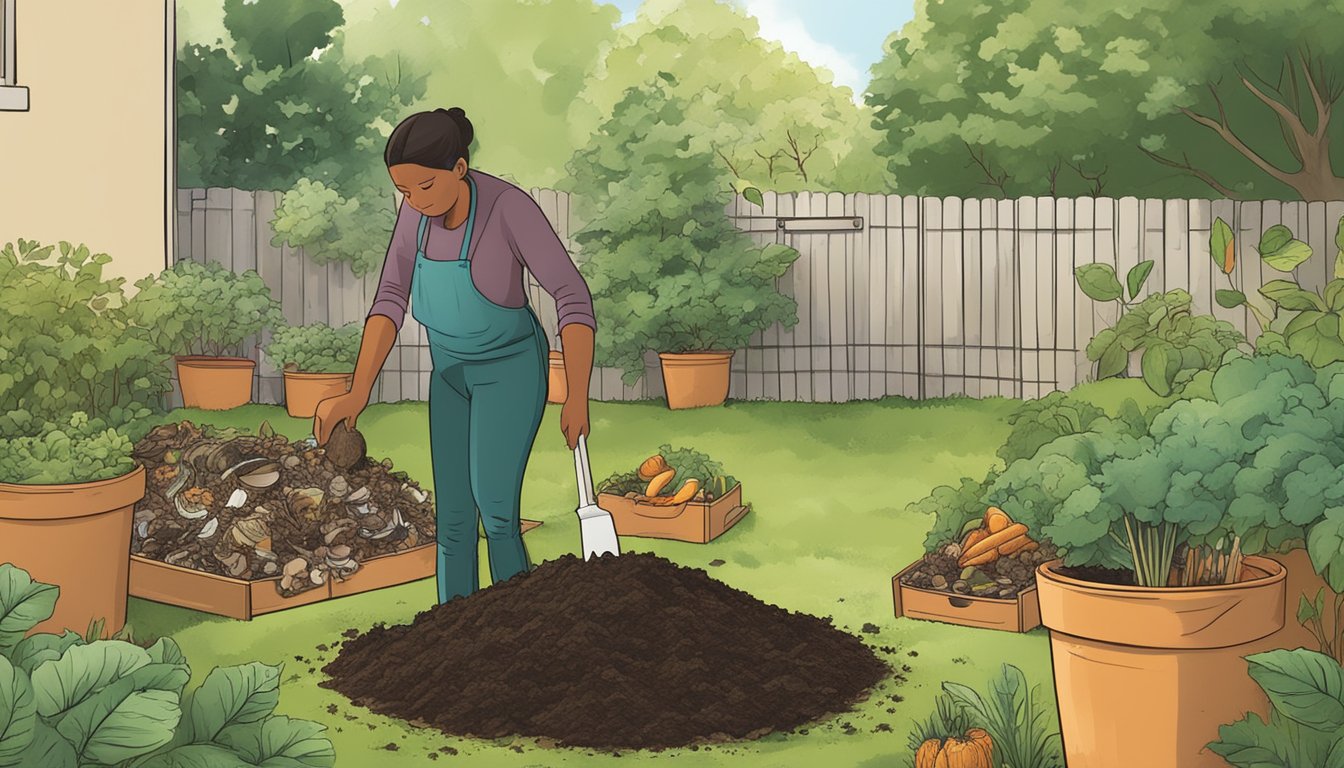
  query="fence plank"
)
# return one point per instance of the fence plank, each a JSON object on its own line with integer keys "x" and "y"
{"x": 789, "y": 386}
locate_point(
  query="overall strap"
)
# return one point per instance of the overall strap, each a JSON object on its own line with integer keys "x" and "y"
{"x": 421, "y": 236}
{"x": 471, "y": 220}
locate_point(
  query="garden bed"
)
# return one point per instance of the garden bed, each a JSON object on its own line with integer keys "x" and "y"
{"x": 643, "y": 503}
{"x": 241, "y": 524}
{"x": 628, "y": 652}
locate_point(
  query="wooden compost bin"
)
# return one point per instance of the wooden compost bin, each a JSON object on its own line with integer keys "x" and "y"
{"x": 1013, "y": 614}
{"x": 243, "y": 599}
{"x": 697, "y": 522}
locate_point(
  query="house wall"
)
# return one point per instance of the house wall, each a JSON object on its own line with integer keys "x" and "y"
{"x": 90, "y": 160}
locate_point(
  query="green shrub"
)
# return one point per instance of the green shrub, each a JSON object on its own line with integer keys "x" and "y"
{"x": 667, "y": 270}
{"x": 1306, "y": 720}
{"x": 1176, "y": 344}
{"x": 332, "y": 228}
{"x": 1258, "y": 467}
{"x": 203, "y": 309}
{"x": 317, "y": 348}
{"x": 80, "y": 379}
{"x": 69, "y": 702}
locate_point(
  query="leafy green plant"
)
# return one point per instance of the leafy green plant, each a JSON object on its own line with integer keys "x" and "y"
{"x": 331, "y": 227}
{"x": 1325, "y": 621}
{"x": 666, "y": 268}
{"x": 79, "y": 376}
{"x": 1175, "y": 343}
{"x": 203, "y": 309}
{"x": 1295, "y": 321}
{"x": 1257, "y": 467}
{"x": 1306, "y": 721}
{"x": 316, "y": 348}
{"x": 67, "y": 701}
{"x": 1015, "y": 718}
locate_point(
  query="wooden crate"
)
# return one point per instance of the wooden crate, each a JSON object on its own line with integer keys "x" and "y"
{"x": 244, "y": 600}
{"x": 696, "y": 522}
{"x": 1016, "y": 614}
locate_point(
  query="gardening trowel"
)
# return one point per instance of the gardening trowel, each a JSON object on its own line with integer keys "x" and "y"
{"x": 596, "y": 528}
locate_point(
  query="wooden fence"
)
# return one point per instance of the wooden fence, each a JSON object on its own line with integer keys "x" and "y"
{"x": 897, "y": 295}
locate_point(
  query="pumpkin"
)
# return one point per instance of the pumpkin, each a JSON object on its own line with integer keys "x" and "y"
{"x": 652, "y": 467}
{"x": 974, "y": 750}
{"x": 928, "y": 752}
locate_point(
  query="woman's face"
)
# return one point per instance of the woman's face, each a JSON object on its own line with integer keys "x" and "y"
{"x": 431, "y": 191}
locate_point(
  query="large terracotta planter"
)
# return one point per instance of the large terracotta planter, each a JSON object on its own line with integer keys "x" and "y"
{"x": 215, "y": 383}
{"x": 556, "y": 386}
{"x": 1144, "y": 676}
{"x": 78, "y": 537}
{"x": 303, "y": 391}
{"x": 695, "y": 379}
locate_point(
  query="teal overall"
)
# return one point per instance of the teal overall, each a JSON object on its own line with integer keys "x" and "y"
{"x": 486, "y": 398}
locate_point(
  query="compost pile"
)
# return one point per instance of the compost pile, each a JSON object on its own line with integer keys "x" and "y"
{"x": 997, "y": 558}
{"x": 260, "y": 506}
{"x": 628, "y": 652}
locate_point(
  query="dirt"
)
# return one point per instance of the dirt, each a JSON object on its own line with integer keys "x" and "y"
{"x": 309, "y": 518}
{"x": 1004, "y": 577}
{"x": 1099, "y": 575}
{"x": 629, "y": 652}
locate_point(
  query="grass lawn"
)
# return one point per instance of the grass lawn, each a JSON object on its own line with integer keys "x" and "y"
{"x": 828, "y": 485}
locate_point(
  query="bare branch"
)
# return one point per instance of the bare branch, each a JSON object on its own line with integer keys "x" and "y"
{"x": 1225, "y": 132}
{"x": 1186, "y": 167}
{"x": 770, "y": 162}
{"x": 1097, "y": 180}
{"x": 1052, "y": 173}
{"x": 800, "y": 158}
{"x": 1323, "y": 107}
{"x": 1000, "y": 182}
{"x": 731, "y": 167}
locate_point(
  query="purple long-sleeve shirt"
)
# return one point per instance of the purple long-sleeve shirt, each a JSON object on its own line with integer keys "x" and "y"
{"x": 510, "y": 233}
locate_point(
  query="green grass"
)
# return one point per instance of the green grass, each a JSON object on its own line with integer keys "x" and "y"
{"x": 828, "y": 484}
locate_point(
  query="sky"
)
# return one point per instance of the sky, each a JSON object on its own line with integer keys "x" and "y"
{"x": 844, "y": 36}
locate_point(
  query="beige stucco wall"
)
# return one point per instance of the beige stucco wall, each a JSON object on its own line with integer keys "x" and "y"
{"x": 89, "y": 161}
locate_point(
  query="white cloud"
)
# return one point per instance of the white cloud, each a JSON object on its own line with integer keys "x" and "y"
{"x": 784, "y": 25}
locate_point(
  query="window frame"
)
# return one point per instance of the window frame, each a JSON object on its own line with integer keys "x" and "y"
{"x": 13, "y": 97}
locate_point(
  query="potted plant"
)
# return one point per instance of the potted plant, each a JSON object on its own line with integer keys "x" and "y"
{"x": 317, "y": 362}
{"x": 1162, "y": 588}
{"x": 668, "y": 271}
{"x": 76, "y": 385}
{"x": 201, "y": 313}
{"x": 72, "y": 701}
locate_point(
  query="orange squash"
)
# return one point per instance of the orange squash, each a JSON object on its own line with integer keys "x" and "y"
{"x": 928, "y": 753}
{"x": 980, "y": 737}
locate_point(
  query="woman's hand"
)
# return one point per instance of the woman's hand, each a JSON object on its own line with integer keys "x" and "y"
{"x": 334, "y": 410}
{"x": 574, "y": 420}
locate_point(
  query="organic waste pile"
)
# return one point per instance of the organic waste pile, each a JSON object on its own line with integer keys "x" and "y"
{"x": 628, "y": 652}
{"x": 260, "y": 506}
{"x": 996, "y": 558}
{"x": 654, "y": 482}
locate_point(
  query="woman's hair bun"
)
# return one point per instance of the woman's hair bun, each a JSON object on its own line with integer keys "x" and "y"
{"x": 459, "y": 117}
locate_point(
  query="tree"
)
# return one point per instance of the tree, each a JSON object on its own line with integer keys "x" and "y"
{"x": 1177, "y": 98}
{"x": 776, "y": 121}
{"x": 515, "y": 66}
{"x": 667, "y": 270}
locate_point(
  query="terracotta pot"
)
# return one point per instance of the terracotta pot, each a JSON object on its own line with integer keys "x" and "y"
{"x": 556, "y": 386}
{"x": 1144, "y": 676}
{"x": 303, "y": 391}
{"x": 1302, "y": 580}
{"x": 695, "y": 379}
{"x": 215, "y": 383}
{"x": 78, "y": 537}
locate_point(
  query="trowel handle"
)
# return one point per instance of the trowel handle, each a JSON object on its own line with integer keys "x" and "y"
{"x": 583, "y": 473}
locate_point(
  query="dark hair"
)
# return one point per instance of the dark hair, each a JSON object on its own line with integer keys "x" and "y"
{"x": 435, "y": 139}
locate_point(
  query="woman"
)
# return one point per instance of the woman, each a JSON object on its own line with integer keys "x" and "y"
{"x": 460, "y": 244}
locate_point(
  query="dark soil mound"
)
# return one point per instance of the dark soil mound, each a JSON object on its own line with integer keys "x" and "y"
{"x": 615, "y": 653}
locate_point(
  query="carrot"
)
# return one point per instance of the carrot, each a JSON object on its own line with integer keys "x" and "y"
{"x": 992, "y": 542}
{"x": 973, "y": 538}
{"x": 980, "y": 559}
{"x": 657, "y": 484}
{"x": 996, "y": 519}
{"x": 1018, "y": 544}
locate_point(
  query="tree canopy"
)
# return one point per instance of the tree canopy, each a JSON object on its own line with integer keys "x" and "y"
{"x": 1164, "y": 98}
